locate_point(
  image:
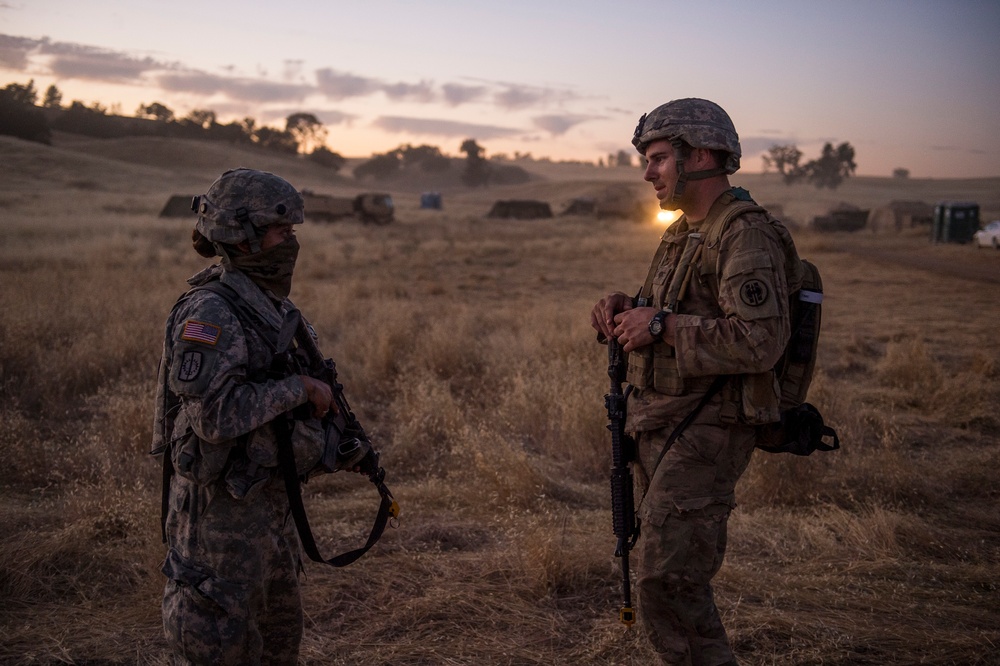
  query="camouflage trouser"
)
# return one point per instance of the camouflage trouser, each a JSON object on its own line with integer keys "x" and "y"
{"x": 683, "y": 542}
{"x": 232, "y": 592}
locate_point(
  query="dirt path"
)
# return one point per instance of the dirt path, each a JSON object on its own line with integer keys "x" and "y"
{"x": 962, "y": 261}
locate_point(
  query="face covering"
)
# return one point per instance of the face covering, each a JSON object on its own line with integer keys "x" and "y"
{"x": 271, "y": 269}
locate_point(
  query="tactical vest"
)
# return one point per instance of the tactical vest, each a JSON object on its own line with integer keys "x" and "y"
{"x": 750, "y": 398}
{"x": 243, "y": 468}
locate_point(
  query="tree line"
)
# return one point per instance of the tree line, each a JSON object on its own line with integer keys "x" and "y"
{"x": 828, "y": 170}
{"x": 304, "y": 134}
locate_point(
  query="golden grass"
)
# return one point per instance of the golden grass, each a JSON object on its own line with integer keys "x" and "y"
{"x": 465, "y": 346}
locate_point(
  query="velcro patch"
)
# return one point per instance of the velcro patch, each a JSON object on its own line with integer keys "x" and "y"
{"x": 190, "y": 366}
{"x": 754, "y": 292}
{"x": 199, "y": 331}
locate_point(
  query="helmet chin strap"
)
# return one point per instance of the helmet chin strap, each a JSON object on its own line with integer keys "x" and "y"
{"x": 243, "y": 217}
{"x": 684, "y": 176}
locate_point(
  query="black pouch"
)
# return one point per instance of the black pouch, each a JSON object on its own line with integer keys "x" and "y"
{"x": 345, "y": 446}
{"x": 800, "y": 431}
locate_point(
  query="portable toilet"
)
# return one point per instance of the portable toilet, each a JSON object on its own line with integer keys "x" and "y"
{"x": 955, "y": 222}
{"x": 431, "y": 200}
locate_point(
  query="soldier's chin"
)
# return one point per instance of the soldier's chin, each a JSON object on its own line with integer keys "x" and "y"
{"x": 668, "y": 204}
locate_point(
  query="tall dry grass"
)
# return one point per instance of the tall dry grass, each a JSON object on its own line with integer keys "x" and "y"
{"x": 465, "y": 347}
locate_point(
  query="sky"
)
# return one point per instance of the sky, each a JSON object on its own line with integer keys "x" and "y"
{"x": 911, "y": 84}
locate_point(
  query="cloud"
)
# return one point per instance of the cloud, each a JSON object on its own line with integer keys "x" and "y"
{"x": 441, "y": 127}
{"x": 77, "y": 61}
{"x": 415, "y": 92}
{"x": 516, "y": 96}
{"x": 341, "y": 85}
{"x": 557, "y": 125}
{"x": 456, "y": 94}
{"x": 14, "y": 51}
{"x": 329, "y": 117}
{"x": 519, "y": 97}
{"x": 243, "y": 89}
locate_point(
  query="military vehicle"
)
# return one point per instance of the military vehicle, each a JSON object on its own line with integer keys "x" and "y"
{"x": 369, "y": 207}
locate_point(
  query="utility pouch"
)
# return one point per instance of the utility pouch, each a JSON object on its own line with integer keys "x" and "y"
{"x": 759, "y": 398}
{"x": 245, "y": 479}
{"x": 800, "y": 431}
{"x": 344, "y": 447}
{"x": 666, "y": 378}
{"x": 640, "y": 368}
{"x": 197, "y": 460}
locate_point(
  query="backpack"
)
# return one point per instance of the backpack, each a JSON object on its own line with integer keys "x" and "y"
{"x": 801, "y": 429}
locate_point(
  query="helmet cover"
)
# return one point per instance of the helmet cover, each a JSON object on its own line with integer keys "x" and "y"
{"x": 242, "y": 202}
{"x": 697, "y": 122}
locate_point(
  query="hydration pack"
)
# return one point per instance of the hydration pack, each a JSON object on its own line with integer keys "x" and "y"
{"x": 801, "y": 429}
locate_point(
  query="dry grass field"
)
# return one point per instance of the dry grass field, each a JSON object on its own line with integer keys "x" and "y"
{"x": 465, "y": 346}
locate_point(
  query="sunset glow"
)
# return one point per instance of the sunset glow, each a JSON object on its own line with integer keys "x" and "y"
{"x": 911, "y": 86}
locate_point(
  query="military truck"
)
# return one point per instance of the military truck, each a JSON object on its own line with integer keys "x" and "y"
{"x": 369, "y": 207}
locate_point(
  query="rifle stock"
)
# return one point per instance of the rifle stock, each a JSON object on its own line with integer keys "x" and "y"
{"x": 623, "y": 452}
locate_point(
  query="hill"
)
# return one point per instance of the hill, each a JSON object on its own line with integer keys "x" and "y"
{"x": 162, "y": 166}
{"x": 465, "y": 348}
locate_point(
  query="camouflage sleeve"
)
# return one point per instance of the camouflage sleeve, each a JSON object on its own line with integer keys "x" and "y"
{"x": 210, "y": 371}
{"x": 754, "y": 327}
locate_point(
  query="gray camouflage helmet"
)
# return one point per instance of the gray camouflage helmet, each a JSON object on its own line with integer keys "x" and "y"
{"x": 697, "y": 122}
{"x": 242, "y": 203}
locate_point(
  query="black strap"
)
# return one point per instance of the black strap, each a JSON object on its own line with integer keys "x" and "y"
{"x": 168, "y": 472}
{"x": 716, "y": 386}
{"x": 286, "y": 460}
{"x": 286, "y": 457}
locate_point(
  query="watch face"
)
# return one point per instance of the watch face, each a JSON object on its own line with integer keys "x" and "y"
{"x": 656, "y": 326}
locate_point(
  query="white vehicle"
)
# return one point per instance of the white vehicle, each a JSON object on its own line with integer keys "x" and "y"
{"x": 988, "y": 236}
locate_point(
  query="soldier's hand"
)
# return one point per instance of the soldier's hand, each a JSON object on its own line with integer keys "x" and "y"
{"x": 632, "y": 328}
{"x": 320, "y": 395}
{"x": 603, "y": 315}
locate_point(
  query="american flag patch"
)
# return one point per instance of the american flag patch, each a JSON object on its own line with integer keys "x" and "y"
{"x": 199, "y": 331}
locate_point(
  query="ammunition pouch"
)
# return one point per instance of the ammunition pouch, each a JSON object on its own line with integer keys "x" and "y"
{"x": 245, "y": 479}
{"x": 655, "y": 367}
{"x": 195, "y": 459}
{"x": 344, "y": 447}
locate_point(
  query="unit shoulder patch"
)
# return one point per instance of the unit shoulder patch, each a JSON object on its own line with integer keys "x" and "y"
{"x": 191, "y": 363}
{"x": 754, "y": 292}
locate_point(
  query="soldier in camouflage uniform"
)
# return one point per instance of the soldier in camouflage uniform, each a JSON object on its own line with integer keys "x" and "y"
{"x": 232, "y": 593}
{"x": 715, "y": 303}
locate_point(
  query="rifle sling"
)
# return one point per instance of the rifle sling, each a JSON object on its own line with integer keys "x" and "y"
{"x": 286, "y": 461}
{"x": 286, "y": 457}
{"x": 716, "y": 386}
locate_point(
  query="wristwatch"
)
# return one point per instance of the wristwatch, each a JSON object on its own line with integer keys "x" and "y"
{"x": 657, "y": 325}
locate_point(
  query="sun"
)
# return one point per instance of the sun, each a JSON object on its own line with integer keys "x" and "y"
{"x": 668, "y": 217}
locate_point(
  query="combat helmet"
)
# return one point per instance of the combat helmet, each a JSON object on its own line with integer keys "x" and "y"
{"x": 696, "y": 122}
{"x": 242, "y": 203}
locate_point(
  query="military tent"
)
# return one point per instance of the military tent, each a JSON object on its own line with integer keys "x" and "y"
{"x": 179, "y": 205}
{"x": 520, "y": 209}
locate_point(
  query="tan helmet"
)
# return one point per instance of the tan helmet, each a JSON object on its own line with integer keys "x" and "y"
{"x": 697, "y": 122}
{"x": 242, "y": 203}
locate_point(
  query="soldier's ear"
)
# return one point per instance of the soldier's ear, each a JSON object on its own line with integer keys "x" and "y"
{"x": 700, "y": 158}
